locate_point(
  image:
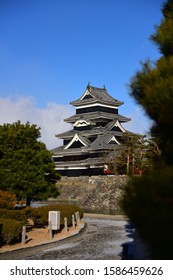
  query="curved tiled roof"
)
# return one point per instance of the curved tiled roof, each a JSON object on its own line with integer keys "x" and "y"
{"x": 87, "y": 133}
{"x": 97, "y": 95}
{"x": 96, "y": 115}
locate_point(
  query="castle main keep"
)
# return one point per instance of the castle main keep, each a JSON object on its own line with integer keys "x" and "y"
{"x": 97, "y": 132}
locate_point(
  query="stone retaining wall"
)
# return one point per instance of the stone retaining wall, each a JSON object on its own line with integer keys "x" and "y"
{"x": 95, "y": 193}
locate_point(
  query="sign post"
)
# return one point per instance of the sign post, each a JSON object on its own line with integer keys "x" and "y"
{"x": 54, "y": 218}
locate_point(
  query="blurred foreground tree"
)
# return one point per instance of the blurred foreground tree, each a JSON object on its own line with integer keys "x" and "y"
{"x": 148, "y": 199}
{"x": 26, "y": 166}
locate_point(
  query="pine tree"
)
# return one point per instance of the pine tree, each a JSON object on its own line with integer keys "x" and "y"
{"x": 152, "y": 87}
{"x": 26, "y": 166}
{"x": 148, "y": 199}
{"x": 136, "y": 155}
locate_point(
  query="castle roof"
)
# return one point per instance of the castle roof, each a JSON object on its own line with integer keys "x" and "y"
{"x": 96, "y": 115}
{"x": 94, "y": 131}
{"x": 95, "y": 146}
{"x": 93, "y": 95}
{"x": 87, "y": 133}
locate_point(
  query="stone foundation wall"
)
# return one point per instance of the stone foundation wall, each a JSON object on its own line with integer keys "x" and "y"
{"x": 95, "y": 193}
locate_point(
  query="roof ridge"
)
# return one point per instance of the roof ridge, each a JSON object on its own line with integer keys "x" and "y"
{"x": 89, "y": 86}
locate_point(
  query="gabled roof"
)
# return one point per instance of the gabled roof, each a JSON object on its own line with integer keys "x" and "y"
{"x": 113, "y": 139}
{"x": 103, "y": 141}
{"x": 114, "y": 123}
{"x": 93, "y": 95}
{"x": 84, "y": 141}
{"x": 81, "y": 122}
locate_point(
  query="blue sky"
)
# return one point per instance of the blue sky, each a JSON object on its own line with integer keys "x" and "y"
{"x": 51, "y": 49}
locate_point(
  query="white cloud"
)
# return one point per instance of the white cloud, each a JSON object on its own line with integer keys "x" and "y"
{"x": 139, "y": 123}
{"x": 49, "y": 119}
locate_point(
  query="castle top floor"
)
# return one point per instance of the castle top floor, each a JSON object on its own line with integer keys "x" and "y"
{"x": 94, "y": 96}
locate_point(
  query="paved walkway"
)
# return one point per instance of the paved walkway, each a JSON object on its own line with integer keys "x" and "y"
{"x": 102, "y": 238}
{"x": 40, "y": 236}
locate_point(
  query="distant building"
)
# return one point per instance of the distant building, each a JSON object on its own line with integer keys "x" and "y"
{"x": 97, "y": 132}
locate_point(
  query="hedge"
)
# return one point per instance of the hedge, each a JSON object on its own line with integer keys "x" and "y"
{"x": 18, "y": 215}
{"x": 11, "y": 231}
{"x": 65, "y": 211}
{"x": 40, "y": 215}
{"x": 13, "y": 220}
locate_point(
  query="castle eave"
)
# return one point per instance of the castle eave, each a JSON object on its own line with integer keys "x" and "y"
{"x": 87, "y": 133}
{"x": 78, "y": 103}
{"x": 96, "y": 115}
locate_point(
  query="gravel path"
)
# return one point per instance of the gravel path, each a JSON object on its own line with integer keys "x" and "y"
{"x": 102, "y": 238}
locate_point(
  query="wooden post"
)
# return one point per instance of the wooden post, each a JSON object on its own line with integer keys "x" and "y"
{"x": 65, "y": 224}
{"x": 73, "y": 221}
{"x": 23, "y": 234}
{"x": 50, "y": 230}
{"x": 78, "y": 216}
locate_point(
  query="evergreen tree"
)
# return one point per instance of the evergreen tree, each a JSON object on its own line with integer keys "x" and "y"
{"x": 136, "y": 155}
{"x": 148, "y": 200}
{"x": 26, "y": 166}
{"x": 152, "y": 87}
{"x": 130, "y": 155}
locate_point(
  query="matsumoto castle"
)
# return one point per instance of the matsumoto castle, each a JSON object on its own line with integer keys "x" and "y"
{"x": 97, "y": 132}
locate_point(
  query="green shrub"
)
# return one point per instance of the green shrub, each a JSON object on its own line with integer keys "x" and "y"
{"x": 66, "y": 211}
{"x": 11, "y": 231}
{"x": 18, "y": 215}
{"x": 31, "y": 213}
{"x": 7, "y": 200}
{"x": 13, "y": 220}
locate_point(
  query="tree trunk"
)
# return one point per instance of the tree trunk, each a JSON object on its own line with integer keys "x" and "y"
{"x": 128, "y": 163}
{"x": 133, "y": 164}
{"x": 28, "y": 201}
